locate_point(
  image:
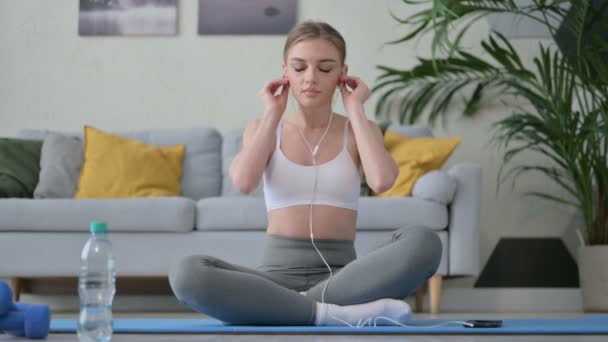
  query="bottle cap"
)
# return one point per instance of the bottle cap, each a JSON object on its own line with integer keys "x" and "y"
{"x": 98, "y": 227}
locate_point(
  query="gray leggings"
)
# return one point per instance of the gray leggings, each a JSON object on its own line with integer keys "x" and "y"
{"x": 274, "y": 293}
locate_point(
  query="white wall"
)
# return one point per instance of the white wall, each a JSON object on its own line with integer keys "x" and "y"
{"x": 52, "y": 78}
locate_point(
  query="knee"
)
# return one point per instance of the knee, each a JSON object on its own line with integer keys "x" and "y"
{"x": 187, "y": 277}
{"x": 426, "y": 242}
{"x": 430, "y": 242}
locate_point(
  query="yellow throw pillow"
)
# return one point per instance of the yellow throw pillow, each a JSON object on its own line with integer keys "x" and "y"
{"x": 118, "y": 167}
{"x": 415, "y": 156}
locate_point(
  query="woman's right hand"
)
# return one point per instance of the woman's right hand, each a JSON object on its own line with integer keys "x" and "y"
{"x": 275, "y": 103}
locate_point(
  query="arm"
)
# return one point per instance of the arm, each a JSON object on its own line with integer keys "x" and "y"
{"x": 379, "y": 167}
{"x": 248, "y": 165}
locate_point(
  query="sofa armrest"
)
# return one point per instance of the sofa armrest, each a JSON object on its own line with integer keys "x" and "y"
{"x": 464, "y": 217}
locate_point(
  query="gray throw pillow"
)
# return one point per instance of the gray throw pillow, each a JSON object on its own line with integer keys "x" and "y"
{"x": 437, "y": 186}
{"x": 60, "y": 162}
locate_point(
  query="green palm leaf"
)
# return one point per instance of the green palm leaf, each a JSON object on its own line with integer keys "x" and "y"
{"x": 566, "y": 114}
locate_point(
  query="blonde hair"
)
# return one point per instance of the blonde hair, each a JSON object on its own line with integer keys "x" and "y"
{"x": 311, "y": 29}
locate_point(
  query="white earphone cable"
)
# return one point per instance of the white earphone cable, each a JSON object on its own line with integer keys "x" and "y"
{"x": 368, "y": 321}
{"x": 313, "y": 153}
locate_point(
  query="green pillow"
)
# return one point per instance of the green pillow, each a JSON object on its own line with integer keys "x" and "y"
{"x": 19, "y": 167}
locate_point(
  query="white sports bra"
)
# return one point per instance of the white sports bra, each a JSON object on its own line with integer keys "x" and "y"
{"x": 287, "y": 183}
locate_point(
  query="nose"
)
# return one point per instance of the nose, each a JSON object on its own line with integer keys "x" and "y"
{"x": 310, "y": 78}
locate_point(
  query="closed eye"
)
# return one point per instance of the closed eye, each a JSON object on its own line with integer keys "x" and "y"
{"x": 302, "y": 69}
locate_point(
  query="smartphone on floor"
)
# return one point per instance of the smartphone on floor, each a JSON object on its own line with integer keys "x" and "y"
{"x": 481, "y": 323}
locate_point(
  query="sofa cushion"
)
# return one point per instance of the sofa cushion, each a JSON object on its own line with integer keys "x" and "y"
{"x": 231, "y": 213}
{"x": 418, "y": 130}
{"x": 231, "y": 146}
{"x": 249, "y": 213}
{"x": 397, "y": 212}
{"x": 415, "y": 156}
{"x": 202, "y": 167}
{"x": 437, "y": 186}
{"x": 152, "y": 254}
{"x": 60, "y": 163}
{"x": 19, "y": 167}
{"x": 155, "y": 214}
{"x": 118, "y": 167}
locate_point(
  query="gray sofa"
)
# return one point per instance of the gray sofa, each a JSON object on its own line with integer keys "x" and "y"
{"x": 42, "y": 238}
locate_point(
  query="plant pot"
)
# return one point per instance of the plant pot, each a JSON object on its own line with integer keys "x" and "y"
{"x": 593, "y": 277}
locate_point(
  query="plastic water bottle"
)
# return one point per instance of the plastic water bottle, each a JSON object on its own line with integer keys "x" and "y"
{"x": 97, "y": 286}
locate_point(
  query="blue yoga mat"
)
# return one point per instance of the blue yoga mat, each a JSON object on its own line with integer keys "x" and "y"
{"x": 580, "y": 325}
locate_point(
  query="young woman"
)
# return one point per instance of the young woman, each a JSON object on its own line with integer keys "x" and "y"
{"x": 311, "y": 161}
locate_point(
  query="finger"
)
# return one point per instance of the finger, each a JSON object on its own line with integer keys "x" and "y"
{"x": 272, "y": 88}
{"x": 285, "y": 83}
{"x": 352, "y": 82}
{"x": 284, "y": 89}
{"x": 274, "y": 85}
{"x": 343, "y": 90}
{"x": 362, "y": 84}
{"x": 344, "y": 79}
{"x": 266, "y": 89}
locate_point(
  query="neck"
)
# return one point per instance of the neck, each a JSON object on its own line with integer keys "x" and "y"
{"x": 312, "y": 118}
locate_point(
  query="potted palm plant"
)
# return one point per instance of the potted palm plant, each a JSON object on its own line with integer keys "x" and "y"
{"x": 563, "y": 112}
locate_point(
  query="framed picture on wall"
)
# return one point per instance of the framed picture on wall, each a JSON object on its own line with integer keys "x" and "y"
{"x": 246, "y": 16}
{"x": 127, "y": 17}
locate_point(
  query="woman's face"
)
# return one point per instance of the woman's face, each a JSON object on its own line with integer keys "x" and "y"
{"x": 314, "y": 69}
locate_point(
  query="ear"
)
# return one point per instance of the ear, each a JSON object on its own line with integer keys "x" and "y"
{"x": 343, "y": 74}
{"x": 283, "y": 71}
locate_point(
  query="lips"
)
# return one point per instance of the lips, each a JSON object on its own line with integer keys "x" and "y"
{"x": 311, "y": 91}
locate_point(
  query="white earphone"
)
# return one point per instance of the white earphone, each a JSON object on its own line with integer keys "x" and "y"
{"x": 367, "y": 322}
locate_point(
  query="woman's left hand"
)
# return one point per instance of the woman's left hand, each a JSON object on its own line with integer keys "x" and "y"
{"x": 353, "y": 99}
